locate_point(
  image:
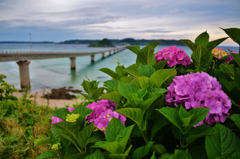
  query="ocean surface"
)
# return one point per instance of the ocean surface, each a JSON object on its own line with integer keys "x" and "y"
{"x": 55, "y": 73}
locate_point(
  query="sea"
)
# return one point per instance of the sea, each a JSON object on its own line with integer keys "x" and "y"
{"x": 56, "y": 73}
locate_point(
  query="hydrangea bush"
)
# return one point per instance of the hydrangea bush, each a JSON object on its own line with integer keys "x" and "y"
{"x": 165, "y": 105}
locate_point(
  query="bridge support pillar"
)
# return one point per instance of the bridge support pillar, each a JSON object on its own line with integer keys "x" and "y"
{"x": 73, "y": 63}
{"x": 92, "y": 58}
{"x": 114, "y": 51}
{"x": 109, "y": 52}
{"x": 103, "y": 55}
{"x": 24, "y": 73}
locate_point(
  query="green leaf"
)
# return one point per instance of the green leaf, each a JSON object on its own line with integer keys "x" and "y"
{"x": 114, "y": 127}
{"x": 83, "y": 136}
{"x": 114, "y": 96}
{"x": 199, "y": 114}
{"x": 202, "y": 58}
{"x": 160, "y": 76}
{"x": 237, "y": 79}
{"x": 153, "y": 45}
{"x": 198, "y": 132}
{"x": 113, "y": 147}
{"x": 153, "y": 156}
{"x": 159, "y": 149}
{"x": 198, "y": 152}
{"x": 236, "y": 119}
{"x": 233, "y": 33}
{"x": 142, "y": 82}
{"x": 235, "y": 156}
{"x": 135, "y": 114}
{"x": 146, "y": 56}
{"x": 189, "y": 44}
{"x": 228, "y": 69}
{"x": 82, "y": 110}
{"x": 158, "y": 124}
{"x": 202, "y": 39}
{"x": 96, "y": 155}
{"x": 110, "y": 84}
{"x": 96, "y": 94}
{"x": 48, "y": 154}
{"x": 109, "y": 72}
{"x": 223, "y": 143}
{"x": 127, "y": 88}
{"x": 89, "y": 86}
{"x": 124, "y": 136}
{"x": 126, "y": 79}
{"x": 146, "y": 70}
{"x": 212, "y": 44}
{"x": 67, "y": 127}
{"x": 142, "y": 151}
{"x": 61, "y": 113}
{"x": 70, "y": 140}
{"x": 185, "y": 116}
{"x": 76, "y": 155}
{"x": 96, "y": 136}
{"x": 38, "y": 142}
{"x": 179, "y": 154}
{"x": 236, "y": 58}
{"x": 132, "y": 70}
{"x": 160, "y": 65}
{"x": 135, "y": 49}
{"x": 120, "y": 70}
{"x": 172, "y": 115}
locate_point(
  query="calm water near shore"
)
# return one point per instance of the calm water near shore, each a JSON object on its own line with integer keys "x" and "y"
{"x": 56, "y": 73}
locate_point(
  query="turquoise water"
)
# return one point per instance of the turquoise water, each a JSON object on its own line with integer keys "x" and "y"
{"x": 55, "y": 73}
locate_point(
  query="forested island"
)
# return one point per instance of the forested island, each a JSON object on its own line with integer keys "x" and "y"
{"x": 106, "y": 42}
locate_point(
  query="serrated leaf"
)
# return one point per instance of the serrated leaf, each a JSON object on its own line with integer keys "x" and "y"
{"x": 61, "y": 113}
{"x": 236, "y": 119}
{"x": 110, "y": 84}
{"x": 114, "y": 127}
{"x": 202, "y": 39}
{"x": 236, "y": 58}
{"x": 127, "y": 88}
{"x": 223, "y": 143}
{"x": 160, "y": 65}
{"x": 84, "y": 135}
{"x": 179, "y": 154}
{"x": 158, "y": 124}
{"x": 114, "y": 96}
{"x": 202, "y": 58}
{"x": 70, "y": 140}
{"x": 146, "y": 70}
{"x": 82, "y": 110}
{"x": 153, "y": 156}
{"x": 96, "y": 94}
{"x": 47, "y": 155}
{"x": 146, "y": 56}
{"x": 96, "y": 155}
{"x": 199, "y": 114}
{"x": 227, "y": 69}
{"x": 172, "y": 115}
{"x": 142, "y": 82}
{"x": 233, "y": 33}
{"x": 38, "y": 142}
{"x": 198, "y": 152}
{"x": 113, "y": 147}
{"x": 189, "y": 44}
{"x": 135, "y": 49}
{"x": 76, "y": 155}
{"x": 198, "y": 132}
{"x": 159, "y": 149}
{"x": 160, "y": 76}
{"x": 109, "y": 72}
{"x": 212, "y": 44}
{"x": 67, "y": 127}
{"x": 89, "y": 86}
{"x": 142, "y": 151}
{"x": 132, "y": 70}
{"x": 135, "y": 114}
{"x": 153, "y": 45}
{"x": 235, "y": 156}
{"x": 126, "y": 79}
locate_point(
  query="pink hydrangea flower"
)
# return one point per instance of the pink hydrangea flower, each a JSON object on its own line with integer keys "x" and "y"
{"x": 57, "y": 119}
{"x": 176, "y": 56}
{"x": 200, "y": 90}
{"x": 103, "y": 113}
{"x": 230, "y": 58}
{"x": 219, "y": 53}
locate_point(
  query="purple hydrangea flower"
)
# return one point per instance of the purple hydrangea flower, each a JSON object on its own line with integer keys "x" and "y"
{"x": 200, "y": 90}
{"x": 230, "y": 58}
{"x": 57, "y": 119}
{"x": 103, "y": 113}
{"x": 176, "y": 56}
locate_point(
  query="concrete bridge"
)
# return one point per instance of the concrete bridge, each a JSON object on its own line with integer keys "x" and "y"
{"x": 23, "y": 57}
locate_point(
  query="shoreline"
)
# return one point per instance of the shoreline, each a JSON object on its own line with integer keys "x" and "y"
{"x": 59, "y": 103}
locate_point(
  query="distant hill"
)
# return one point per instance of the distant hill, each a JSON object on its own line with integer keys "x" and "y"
{"x": 130, "y": 41}
{"x": 38, "y": 42}
{"x": 103, "y": 43}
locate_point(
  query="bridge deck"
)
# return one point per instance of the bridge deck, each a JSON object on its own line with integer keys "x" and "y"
{"x": 23, "y": 56}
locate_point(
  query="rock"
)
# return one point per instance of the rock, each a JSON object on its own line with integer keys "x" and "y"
{"x": 61, "y": 93}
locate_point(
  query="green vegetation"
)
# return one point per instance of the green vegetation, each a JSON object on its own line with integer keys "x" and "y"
{"x": 103, "y": 43}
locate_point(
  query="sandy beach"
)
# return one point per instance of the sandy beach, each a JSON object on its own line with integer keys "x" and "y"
{"x": 52, "y": 102}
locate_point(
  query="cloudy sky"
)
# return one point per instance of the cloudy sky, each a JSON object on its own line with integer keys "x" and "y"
{"x": 59, "y": 20}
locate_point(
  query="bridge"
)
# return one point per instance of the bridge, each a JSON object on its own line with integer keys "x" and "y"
{"x": 23, "y": 57}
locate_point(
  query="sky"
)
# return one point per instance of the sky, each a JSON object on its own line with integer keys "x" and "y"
{"x": 60, "y": 20}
